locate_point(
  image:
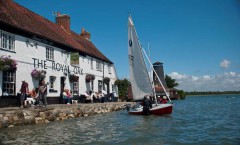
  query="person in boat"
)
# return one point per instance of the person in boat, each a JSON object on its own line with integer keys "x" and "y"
{"x": 151, "y": 100}
{"x": 146, "y": 105}
{"x": 164, "y": 100}
{"x": 159, "y": 99}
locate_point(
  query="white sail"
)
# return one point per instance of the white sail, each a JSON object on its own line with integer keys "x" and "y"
{"x": 139, "y": 77}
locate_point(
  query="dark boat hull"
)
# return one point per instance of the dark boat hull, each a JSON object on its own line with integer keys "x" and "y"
{"x": 159, "y": 109}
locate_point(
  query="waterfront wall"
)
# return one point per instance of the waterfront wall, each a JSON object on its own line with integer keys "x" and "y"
{"x": 10, "y": 117}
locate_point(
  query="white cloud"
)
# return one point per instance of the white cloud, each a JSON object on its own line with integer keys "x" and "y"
{"x": 225, "y": 63}
{"x": 176, "y": 75}
{"x": 194, "y": 78}
{"x": 233, "y": 74}
{"x": 206, "y": 77}
{"x": 230, "y": 74}
{"x": 229, "y": 81}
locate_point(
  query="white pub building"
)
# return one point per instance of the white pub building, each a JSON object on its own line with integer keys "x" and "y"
{"x": 33, "y": 48}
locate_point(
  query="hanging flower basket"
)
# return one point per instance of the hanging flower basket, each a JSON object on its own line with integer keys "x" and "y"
{"x": 37, "y": 74}
{"x": 8, "y": 64}
{"x": 89, "y": 77}
{"x": 106, "y": 80}
{"x": 73, "y": 78}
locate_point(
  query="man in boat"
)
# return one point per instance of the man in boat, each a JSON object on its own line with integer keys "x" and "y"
{"x": 151, "y": 100}
{"x": 146, "y": 105}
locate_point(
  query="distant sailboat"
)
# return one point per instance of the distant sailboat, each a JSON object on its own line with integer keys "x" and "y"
{"x": 139, "y": 76}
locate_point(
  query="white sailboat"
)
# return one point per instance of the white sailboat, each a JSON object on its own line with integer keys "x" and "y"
{"x": 139, "y": 77}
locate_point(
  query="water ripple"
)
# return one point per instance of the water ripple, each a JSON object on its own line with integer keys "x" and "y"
{"x": 196, "y": 120}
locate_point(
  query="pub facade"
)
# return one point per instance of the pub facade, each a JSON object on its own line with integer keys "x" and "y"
{"x": 33, "y": 49}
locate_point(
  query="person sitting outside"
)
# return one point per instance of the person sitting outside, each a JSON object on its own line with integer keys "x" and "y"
{"x": 104, "y": 96}
{"x": 75, "y": 98}
{"x": 67, "y": 96}
{"x": 100, "y": 95}
{"x": 23, "y": 90}
{"x": 96, "y": 98}
{"x": 92, "y": 96}
{"x": 88, "y": 97}
{"x": 33, "y": 97}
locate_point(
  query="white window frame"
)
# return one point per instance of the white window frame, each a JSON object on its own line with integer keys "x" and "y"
{"x": 75, "y": 88}
{"x": 113, "y": 87}
{"x": 7, "y": 41}
{"x": 98, "y": 65}
{"x": 49, "y": 53}
{"x": 8, "y": 87}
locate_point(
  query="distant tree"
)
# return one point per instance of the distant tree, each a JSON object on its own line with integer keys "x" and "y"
{"x": 181, "y": 93}
{"x": 211, "y": 92}
{"x": 122, "y": 87}
{"x": 171, "y": 83}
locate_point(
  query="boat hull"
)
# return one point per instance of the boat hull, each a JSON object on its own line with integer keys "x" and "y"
{"x": 159, "y": 109}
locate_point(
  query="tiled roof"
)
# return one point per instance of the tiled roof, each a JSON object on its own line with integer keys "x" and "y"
{"x": 160, "y": 89}
{"x": 22, "y": 18}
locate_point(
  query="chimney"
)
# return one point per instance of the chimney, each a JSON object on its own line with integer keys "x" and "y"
{"x": 85, "y": 34}
{"x": 158, "y": 66}
{"x": 63, "y": 20}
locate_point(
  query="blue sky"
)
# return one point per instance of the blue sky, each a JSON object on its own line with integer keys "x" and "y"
{"x": 197, "y": 40}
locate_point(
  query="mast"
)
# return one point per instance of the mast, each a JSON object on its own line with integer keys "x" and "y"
{"x": 154, "y": 92}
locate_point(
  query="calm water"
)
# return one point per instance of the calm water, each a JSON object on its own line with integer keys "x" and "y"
{"x": 196, "y": 120}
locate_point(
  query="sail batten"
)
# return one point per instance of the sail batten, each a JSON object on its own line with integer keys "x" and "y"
{"x": 139, "y": 78}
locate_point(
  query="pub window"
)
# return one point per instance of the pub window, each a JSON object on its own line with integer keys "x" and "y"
{"x": 113, "y": 88}
{"x": 49, "y": 53}
{"x": 7, "y": 41}
{"x": 109, "y": 69}
{"x": 8, "y": 83}
{"x": 99, "y": 66}
{"x": 91, "y": 63}
{"x": 92, "y": 85}
{"x": 100, "y": 85}
{"x": 75, "y": 88}
{"x": 52, "y": 80}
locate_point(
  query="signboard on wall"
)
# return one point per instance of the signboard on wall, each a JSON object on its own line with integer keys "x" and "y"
{"x": 74, "y": 58}
{"x": 44, "y": 64}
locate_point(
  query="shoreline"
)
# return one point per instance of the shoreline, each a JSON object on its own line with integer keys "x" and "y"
{"x": 15, "y": 116}
{"x": 210, "y": 95}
